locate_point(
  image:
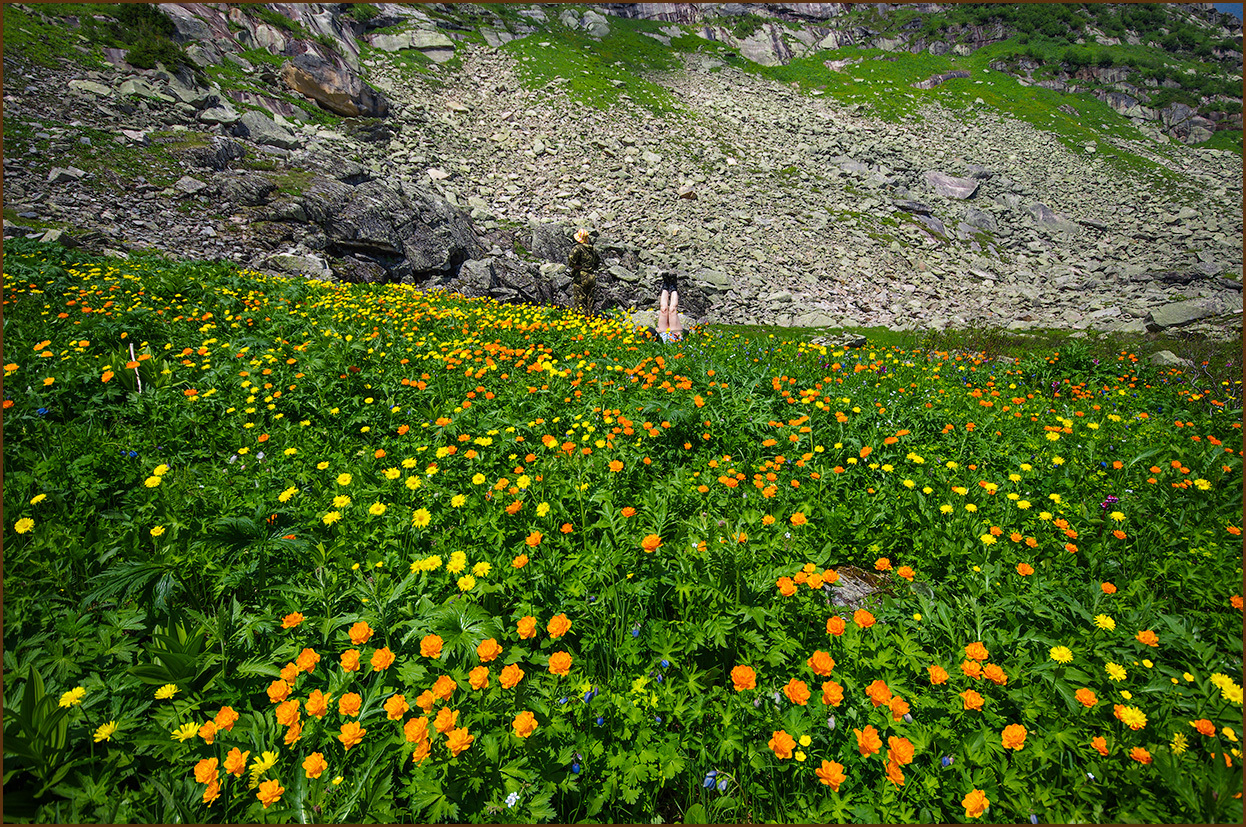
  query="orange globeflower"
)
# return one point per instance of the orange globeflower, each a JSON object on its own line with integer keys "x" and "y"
{"x": 863, "y": 618}
{"x": 878, "y": 692}
{"x": 832, "y": 693}
{"x": 651, "y": 543}
{"x": 287, "y": 712}
{"x": 976, "y": 651}
{"x": 446, "y": 720}
{"x": 743, "y": 678}
{"x": 430, "y": 646}
{"x": 360, "y": 633}
{"x": 351, "y": 734}
{"x": 894, "y": 774}
{"x": 906, "y": 572}
{"x": 510, "y": 676}
{"x": 206, "y": 771}
{"x": 975, "y": 803}
{"x": 1108, "y": 588}
{"x": 616, "y": 466}
{"x": 1014, "y": 736}
{"x": 831, "y": 773}
{"x": 225, "y": 719}
{"x": 315, "y": 765}
{"x": 558, "y": 625}
{"x": 236, "y": 762}
{"x": 415, "y": 730}
{"x": 520, "y": 561}
{"x": 534, "y": 539}
{"x": 1100, "y": 744}
{"x": 208, "y": 731}
{"x": 899, "y": 708}
{"x": 628, "y": 511}
{"x": 291, "y": 620}
{"x": 444, "y": 687}
{"x": 797, "y": 692}
{"x": 798, "y": 519}
{"x": 459, "y": 740}
{"x": 269, "y": 792}
{"x": 317, "y": 704}
{"x": 900, "y": 750}
{"x": 1147, "y": 638}
{"x": 1204, "y": 727}
{"x": 524, "y": 724}
{"x": 381, "y": 659}
{"x": 971, "y": 699}
{"x": 786, "y": 587}
{"x": 782, "y": 744}
{"x": 478, "y": 678}
{"x": 488, "y": 650}
{"x": 566, "y": 528}
{"x": 1025, "y": 569}
{"x": 349, "y": 704}
{"x": 560, "y": 663}
{"x": 882, "y": 564}
{"x": 395, "y": 707}
{"x": 290, "y": 673}
{"x": 972, "y": 668}
{"x": 350, "y": 660}
{"x": 821, "y": 663}
{"x": 937, "y": 674}
{"x": 835, "y": 625}
{"x": 278, "y": 691}
{"x": 527, "y": 627}
{"x": 1140, "y": 754}
{"x": 426, "y": 700}
{"x": 1086, "y": 697}
{"x": 307, "y": 660}
{"x": 868, "y": 741}
{"x": 995, "y": 674}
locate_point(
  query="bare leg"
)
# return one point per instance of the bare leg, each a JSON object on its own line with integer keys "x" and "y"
{"x": 663, "y": 315}
{"x": 673, "y": 316}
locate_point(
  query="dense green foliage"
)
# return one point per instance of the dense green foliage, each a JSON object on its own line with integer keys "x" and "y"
{"x": 282, "y": 550}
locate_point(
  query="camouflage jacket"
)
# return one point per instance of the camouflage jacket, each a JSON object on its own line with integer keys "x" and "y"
{"x": 582, "y": 261}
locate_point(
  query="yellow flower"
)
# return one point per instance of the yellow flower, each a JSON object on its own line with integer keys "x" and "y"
{"x": 186, "y": 731}
{"x": 343, "y": 479}
{"x": 341, "y": 501}
{"x": 421, "y": 518}
{"x": 1118, "y": 516}
{"x": 331, "y": 518}
{"x": 151, "y": 482}
{"x": 285, "y": 496}
{"x": 1116, "y": 672}
{"x": 1062, "y": 654}
{"x": 946, "y": 509}
{"x": 262, "y": 765}
{"x": 104, "y": 732}
{"x": 376, "y": 509}
{"x": 987, "y": 540}
{"x": 24, "y": 525}
{"x": 479, "y": 479}
{"x": 800, "y": 755}
{"x": 542, "y": 509}
{"x": 523, "y": 482}
{"x": 38, "y": 498}
{"x": 392, "y": 473}
{"x": 482, "y": 569}
{"x": 466, "y": 582}
{"x": 1057, "y": 461}
{"x": 320, "y": 466}
{"x": 457, "y": 500}
{"x": 73, "y": 697}
{"x": 1023, "y": 504}
{"x": 805, "y": 740}
{"x": 167, "y": 691}
{"x": 1179, "y": 743}
{"x": 458, "y": 562}
{"x": 1105, "y": 622}
{"x": 157, "y": 531}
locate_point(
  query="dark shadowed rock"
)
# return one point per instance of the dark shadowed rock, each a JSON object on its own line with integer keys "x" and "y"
{"x": 413, "y": 233}
{"x": 334, "y": 86}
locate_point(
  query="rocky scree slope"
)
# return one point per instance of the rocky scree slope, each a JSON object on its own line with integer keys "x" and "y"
{"x": 773, "y": 204}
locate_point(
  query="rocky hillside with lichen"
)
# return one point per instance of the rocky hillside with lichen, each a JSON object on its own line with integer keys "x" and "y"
{"x": 819, "y": 165}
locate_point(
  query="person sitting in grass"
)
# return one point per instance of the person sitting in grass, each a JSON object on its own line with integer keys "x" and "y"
{"x": 583, "y": 262}
{"x": 669, "y": 327}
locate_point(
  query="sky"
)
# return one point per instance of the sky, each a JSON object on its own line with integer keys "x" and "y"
{"x": 1232, "y": 8}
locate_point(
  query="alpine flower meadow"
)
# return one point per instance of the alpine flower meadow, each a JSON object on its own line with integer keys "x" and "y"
{"x": 286, "y": 550}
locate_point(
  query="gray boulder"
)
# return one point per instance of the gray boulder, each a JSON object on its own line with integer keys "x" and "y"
{"x": 951, "y": 187}
{"x": 264, "y": 130}
{"x": 334, "y": 86}
{"x": 981, "y": 220}
{"x": 299, "y": 265}
{"x": 1177, "y": 314}
{"x": 415, "y": 234}
{"x": 1168, "y": 359}
{"x": 1049, "y": 219}
{"x": 244, "y": 189}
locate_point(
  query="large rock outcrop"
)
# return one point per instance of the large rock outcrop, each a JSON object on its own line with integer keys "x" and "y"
{"x": 334, "y": 86}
